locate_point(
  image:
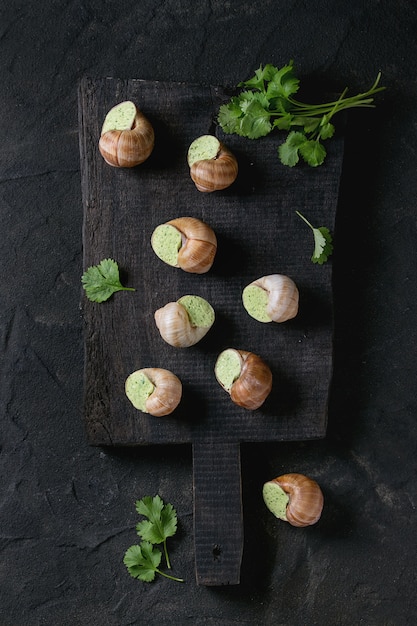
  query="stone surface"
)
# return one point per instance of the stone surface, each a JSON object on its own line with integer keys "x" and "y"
{"x": 66, "y": 509}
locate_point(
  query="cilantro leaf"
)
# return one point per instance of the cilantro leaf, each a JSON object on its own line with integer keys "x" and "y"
{"x": 254, "y": 98}
{"x": 142, "y": 562}
{"x": 313, "y": 152}
{"x": 309, "y": 124}
{"x": 267, "y": 102}
{"x": 246, "y": 115}
{"x": 283, "y": 82}
{"x": 323, "y": 246}
{"x": 327, "y": 130}
{"x": 160, "y": 524}
{"x": 285, "y": 122}
{"x": 255, "y": 123}
{"x": 262, "y": 75}
{"x": 288, "y": 151}
{"x": 102, "y": 281}
{"x": 229, "y": 116}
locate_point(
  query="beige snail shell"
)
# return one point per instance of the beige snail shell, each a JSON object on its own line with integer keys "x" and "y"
{"x": 184, "y": 323}
{"x": 154, "y": 390}
{"x": 213, "y": 166}
{"x": 127, "y": 137}
{"x": 273, "y": 298}
{"x": 295, "y": 498}
{"x": 245, "y": 376}
{"x": 196, "y": 240}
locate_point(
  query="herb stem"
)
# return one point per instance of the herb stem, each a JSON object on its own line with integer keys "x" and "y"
{"x": 310, "y": 110}
{"x": 303, "y": 218}
{"x": 179, "y": 580}
{"x": 168, "y": 562}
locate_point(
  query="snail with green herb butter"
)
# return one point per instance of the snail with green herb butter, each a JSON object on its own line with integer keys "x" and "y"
{"x": 213, "y": 166}
{"x": 154, "y": 390}
{"x": 272, "y": 298}
{"x": 245, "y": 377}
{"x": 184, "y": 323}
{"x": 127, "y": 137}
{"x": 294, "y": 498}
{"x": 187, "y": 243}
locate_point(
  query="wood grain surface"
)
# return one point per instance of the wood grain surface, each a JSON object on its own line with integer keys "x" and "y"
{"x": 258, "y": 233}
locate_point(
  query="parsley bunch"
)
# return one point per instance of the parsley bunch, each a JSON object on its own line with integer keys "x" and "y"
{"x": 143, "y": 560}
{"x": 268, "y": 103}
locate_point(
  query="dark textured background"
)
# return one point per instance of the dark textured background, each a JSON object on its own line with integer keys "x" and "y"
{"x": 66, "y": 509}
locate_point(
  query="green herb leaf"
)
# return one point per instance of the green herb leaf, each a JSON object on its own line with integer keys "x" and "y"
{"x": 262, "y": 75}
{"x": 255, "y": 122}
{"x": 247, "y": 115}
{"x": 142, "y": 562}
{"x": 323, "y": 246}
{"x": 102, "y": 281}
{"x": 313, "y": 152}
{"x": 285, "y": 122}
{"x": 327, "y": 131}
{"x": 162, "y": 519}
{"x": 229, "y": 116}
{"x": 267, "y": 102}
{"x": 283, "y": 83}
{"x": 288, "y": 151}
{"x": 310, "y": 124}
{"x": 160, "y": 524}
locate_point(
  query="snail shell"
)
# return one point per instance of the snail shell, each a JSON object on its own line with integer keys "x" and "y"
{"x": 305, "y": 499}
{"x": 249, "y": 379}
{"x": 129, "y": 140}
{"x": 163, "y": 387}
{"x": 177, "y": 323}
{"x": 198, "y": 245}
{"x": 272, "y": 298}
{"x": 218, "y": 170}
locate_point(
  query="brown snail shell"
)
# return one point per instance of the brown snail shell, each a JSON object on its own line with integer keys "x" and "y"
{"x": 199, "y": 245}
{"x": 167, "y": 392}
{"x": 217, "y": 173}
{"x": 283, "y": 297}
{"x": 305, "y": 499}
{"x": 253, "y": 384}
{"x": 176, "y": 326}
{"x": 128, "y": 147}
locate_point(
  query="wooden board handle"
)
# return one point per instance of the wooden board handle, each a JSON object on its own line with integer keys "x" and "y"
{"x": 218, "y": 513}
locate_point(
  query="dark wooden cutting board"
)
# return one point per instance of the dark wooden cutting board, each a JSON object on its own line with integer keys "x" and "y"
{"x": 258, "y": 233}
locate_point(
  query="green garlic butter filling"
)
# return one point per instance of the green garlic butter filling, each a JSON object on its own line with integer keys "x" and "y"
{"x": 138, "y": 388}
{"x": 275, "y": 499}
{"x": 202, "y": 149}
{"x": 255, "y": 301}
{"x": 200, "y": 312}
{"x": 227, "y": 368}
{"x": 120, "y": 117}
{"x": 166, "y": 242}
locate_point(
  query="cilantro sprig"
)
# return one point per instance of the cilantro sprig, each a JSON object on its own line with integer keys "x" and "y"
{"x": 143, "y": 560}
{"x": 102, "y": 281}
{"x": 323, "y": 246}
{"x": 267, "y": 102}
{"x": 160, "y": 524}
